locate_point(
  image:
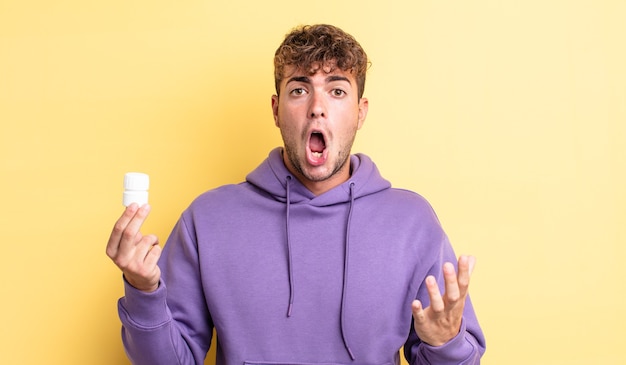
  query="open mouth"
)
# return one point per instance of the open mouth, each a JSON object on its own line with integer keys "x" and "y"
{"x": 317, "y": 146}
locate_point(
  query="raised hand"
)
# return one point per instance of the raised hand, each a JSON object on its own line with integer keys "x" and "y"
{"x": 441, "y": 321}
{"x": 135, "y": 254}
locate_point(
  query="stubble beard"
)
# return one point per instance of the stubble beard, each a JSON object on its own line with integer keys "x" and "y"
{"x": 342, "y": 157}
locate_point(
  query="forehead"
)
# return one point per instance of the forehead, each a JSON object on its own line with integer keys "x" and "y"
{"x": 316, "y": 70}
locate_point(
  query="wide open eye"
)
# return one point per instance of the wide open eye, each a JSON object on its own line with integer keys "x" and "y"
{"x": 298, "y": 91}
{"x": 338, "y": 92}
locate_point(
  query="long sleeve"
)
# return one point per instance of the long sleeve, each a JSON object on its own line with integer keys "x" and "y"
{"x": 170, "y": 325}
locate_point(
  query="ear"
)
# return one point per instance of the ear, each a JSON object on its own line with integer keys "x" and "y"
{"x": 275, "y": 108}
{"x": 363, "y": 107}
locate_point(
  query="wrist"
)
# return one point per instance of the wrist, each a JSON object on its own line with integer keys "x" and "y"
{"x": 142, "y": 285}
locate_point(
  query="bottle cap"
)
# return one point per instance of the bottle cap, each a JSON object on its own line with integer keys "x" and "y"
{"x": 136, "y": 186}
{"x": 136, "y": 181}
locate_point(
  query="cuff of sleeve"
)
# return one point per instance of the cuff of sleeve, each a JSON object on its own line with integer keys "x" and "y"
{"x": 455, "y": 351}
{"x": 144, "y": 310}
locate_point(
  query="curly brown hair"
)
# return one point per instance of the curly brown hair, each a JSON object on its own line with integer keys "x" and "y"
{"x": 311, "y": 47}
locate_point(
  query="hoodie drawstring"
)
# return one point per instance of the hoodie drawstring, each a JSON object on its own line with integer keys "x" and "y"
{"x": 345, "y": 274}
{"x": 289, "y": 258}
{"x": 345, "y": 263}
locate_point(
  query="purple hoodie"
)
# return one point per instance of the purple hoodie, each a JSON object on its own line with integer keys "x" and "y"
{"x": 287, "y": 277}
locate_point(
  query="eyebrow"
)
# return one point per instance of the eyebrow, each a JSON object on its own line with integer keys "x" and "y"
{"x": 307, "y": 80}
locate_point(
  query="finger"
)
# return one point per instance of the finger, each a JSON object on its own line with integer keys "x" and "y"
{"x": 151, "y": 261}
{"x": 466, "y": 266}
{"x": 436, "y": 301}
{"x": 144, "y": 247}
{"x": 131, "y": 236}
{"x": 118, "y": 229}
{"x": 152, "y": 258}
{"x": 472, "y": 264}
{"x": 453, "y": 293}
{"x": 418, "y": 311}
{"x": 145, "y": 257}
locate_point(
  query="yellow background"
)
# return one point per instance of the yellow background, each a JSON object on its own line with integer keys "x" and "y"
{"x": 509, "y": 116}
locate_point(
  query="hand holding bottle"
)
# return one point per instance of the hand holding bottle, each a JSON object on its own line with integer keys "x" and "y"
{"x": 134, "y": 253}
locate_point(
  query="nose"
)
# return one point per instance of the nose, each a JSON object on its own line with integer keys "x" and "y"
{"x": 317, "y": 108}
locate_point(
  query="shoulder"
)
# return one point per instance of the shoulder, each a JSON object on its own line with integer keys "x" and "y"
{"x": 220, "y": 200}
{"x": 403, "y": 198}
{"x": 399, "y": 207}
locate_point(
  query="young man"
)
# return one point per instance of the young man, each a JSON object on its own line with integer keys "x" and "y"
{"x": 314, "y": 259}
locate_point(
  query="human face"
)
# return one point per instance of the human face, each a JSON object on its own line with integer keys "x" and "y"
{"x": 318, "y": 116}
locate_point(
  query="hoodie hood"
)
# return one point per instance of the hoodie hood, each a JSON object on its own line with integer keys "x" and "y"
{"x": 273, "y": 177}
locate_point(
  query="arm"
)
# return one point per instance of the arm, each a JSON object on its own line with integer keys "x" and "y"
{"x": 161, "y": 324}
{"x": 446, "y": 331}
